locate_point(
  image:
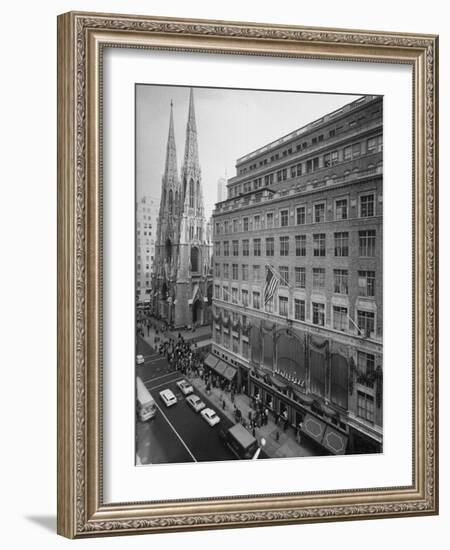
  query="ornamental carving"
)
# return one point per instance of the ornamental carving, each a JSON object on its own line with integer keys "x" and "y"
{"x": 80, "y": 254}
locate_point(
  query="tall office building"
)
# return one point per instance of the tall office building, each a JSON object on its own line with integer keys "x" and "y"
{"x": 146, "y": 222}
{"x": 298, "y": 300}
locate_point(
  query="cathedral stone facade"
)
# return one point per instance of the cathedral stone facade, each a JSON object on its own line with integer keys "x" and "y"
{"x": 182, "y": 270}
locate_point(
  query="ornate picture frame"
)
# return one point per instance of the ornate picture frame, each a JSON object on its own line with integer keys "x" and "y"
{"x": 82, "y": 38}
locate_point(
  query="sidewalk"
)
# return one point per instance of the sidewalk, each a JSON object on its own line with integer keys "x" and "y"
{"x": 286, "y": 446}
{"x": 197, "y": 335}
{"x": 201, "y": 336}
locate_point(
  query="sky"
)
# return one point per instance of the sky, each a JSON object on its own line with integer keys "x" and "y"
{"x": 230, "y": 124}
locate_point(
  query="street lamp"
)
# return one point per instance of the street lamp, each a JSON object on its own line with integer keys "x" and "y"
{"x": 262, "y": 443}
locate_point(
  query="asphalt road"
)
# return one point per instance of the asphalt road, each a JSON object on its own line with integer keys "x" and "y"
{"x": 175, "y": 434}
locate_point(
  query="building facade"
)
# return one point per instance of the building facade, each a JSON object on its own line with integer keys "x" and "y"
{"x": 146, "y": 223}
{"x": 182, "y": 272}
{"x": 307, "y": 210}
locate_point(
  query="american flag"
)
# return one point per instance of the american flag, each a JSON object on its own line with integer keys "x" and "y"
{"x": 272, "y": 282}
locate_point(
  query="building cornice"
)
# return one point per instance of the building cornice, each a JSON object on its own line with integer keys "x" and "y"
{"x": 229, "y": 206}
{"x": 309, "y": 128}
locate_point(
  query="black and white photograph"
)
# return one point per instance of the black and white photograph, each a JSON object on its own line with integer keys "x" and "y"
{"x": 258, "y": 274}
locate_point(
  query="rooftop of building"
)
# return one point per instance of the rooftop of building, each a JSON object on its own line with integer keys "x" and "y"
{"x": 311, "y": 126}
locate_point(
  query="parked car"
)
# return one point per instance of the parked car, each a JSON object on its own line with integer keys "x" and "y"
{"x": 140, "y": 359}
{"x": 210, "y": 416}
{"x": 195, "y": 402}
{"x": 168, "y": 397}
{"x": 185, "y": 387}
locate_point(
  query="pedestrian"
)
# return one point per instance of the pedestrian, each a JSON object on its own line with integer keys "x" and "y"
{"x": 277, "y": 436}
{"x": 299, "y": 433}
{"x": 298, "y": 436}
{"x": 223, "y": 404}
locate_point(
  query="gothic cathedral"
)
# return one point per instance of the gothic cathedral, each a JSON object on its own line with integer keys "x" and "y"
{"x": 182, "y": 269}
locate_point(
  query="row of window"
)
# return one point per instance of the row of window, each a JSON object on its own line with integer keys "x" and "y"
{"x": 144, "y": 225}
{"x": 144, "y": 283}
{"x": 340, "y": 318}
{"x": 318, "y": 138}
{"x": 366, "y": 245}
{"x": 366, "y": 280}
{"x": 350, "y": 152}
{"x": 341, "y": 212}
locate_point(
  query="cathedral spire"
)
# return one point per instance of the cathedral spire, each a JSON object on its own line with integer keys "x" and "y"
{"x": 171, "y": 171}
{"x": 191, "y": 162}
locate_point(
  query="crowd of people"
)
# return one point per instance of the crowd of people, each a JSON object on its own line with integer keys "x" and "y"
{"x": 145, "y": 323}
{"x": 182, "y": 355}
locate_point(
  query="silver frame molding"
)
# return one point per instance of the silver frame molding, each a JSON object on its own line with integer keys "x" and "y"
{"x": 81, "y": 37}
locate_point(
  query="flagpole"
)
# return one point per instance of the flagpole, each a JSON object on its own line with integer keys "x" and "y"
{"x": 229, "y": 294}
{"x": 354, "y": 324}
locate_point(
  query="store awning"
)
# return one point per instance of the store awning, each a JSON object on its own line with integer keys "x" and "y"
{"x": 314, "y": 427}
{"x": 334, "y": 441}
{"x": 211, "y": 360}
{"x": 229, "y": 373}
{"x": 257, "y": 372}
{"x": 303, "y": 398}
{"x": 278, "y": 383}
{"x": 220, "y": 368}
{"x": 328, "y": 410}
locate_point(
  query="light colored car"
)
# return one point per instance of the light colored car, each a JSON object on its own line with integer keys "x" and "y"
{"x": 195, "y": 402}
{"x": 185, "y": 387}
{"x": 140, "y": 359}
{"x": 210, "y": 416}
{"x": 168, "y": 397}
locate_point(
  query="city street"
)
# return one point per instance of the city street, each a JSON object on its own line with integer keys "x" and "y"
{"x": 175, "y": 434}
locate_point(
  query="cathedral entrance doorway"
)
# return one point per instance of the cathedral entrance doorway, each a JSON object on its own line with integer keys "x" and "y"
{"x": 197, "y": 312}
